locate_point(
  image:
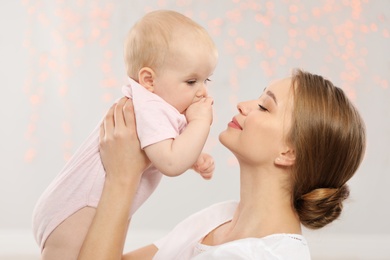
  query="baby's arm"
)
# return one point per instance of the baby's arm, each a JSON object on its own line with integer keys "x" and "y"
{"x": 174, "y": 156}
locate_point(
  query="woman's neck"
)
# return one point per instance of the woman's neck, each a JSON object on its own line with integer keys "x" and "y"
{"x": 265, "y": 206}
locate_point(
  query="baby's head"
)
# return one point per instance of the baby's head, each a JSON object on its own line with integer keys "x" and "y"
{"x": 171, "y": 55}
{"x": 160, "y": 36}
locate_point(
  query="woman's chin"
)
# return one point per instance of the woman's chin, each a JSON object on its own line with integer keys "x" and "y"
{"x": 223, "y": 138}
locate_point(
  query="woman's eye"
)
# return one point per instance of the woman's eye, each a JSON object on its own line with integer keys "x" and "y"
{"x": 262, "y": 108}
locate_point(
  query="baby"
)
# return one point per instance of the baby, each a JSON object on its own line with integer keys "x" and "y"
{"x": 169, "y": 59}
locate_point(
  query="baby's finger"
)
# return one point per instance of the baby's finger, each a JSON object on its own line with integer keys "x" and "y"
{"x": 207, "y": 161}
{"x": 208, "y": 168}
{"x": 207, "y": 176}
{"x": 209, "y": 100}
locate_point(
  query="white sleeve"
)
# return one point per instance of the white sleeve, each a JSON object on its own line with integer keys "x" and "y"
{"x": 273, "y": 247}
{"x": 180, "y": 242}
{"x": 238, "y": 250}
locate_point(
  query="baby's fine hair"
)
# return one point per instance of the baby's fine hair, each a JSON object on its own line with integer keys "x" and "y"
{"x": 150, "y": 40}
{"x": 329, "y": 139}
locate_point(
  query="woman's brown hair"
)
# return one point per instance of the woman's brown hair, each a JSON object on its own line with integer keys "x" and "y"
{"x": 328, "y": 136}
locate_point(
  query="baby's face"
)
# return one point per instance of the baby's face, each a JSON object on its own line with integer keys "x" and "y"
{"x": 183, "y": 80}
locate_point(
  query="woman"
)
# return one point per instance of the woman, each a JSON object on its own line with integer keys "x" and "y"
{"x": 297, "y": 145}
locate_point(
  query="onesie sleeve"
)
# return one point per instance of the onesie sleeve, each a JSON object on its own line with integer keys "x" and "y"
{"x": 157, "y": 121}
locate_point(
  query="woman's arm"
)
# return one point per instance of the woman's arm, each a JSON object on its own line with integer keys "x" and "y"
{"x": 124, "y": 163}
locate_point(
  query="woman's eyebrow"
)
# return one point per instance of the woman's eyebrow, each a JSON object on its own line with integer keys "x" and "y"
{"x": 272, "y": 95}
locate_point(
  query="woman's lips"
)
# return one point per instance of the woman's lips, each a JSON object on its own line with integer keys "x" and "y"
{"x": 234, "y": 124}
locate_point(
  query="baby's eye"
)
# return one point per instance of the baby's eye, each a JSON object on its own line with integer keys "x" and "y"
{"x": 191, "y": 82}
{"x": 207, "y": 80}
{"x": 262, "y": 108}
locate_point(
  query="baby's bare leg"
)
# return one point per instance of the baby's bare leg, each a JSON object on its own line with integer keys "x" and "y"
{"x": 66, "y": 240}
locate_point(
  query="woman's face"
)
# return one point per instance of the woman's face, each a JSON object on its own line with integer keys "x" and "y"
{"x": 257, "y": 135}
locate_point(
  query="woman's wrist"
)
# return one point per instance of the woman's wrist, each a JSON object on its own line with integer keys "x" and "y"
{"x": 125, "y": 183}
{"x": 107, "y": 232}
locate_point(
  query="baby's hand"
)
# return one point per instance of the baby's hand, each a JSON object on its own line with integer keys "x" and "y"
{"x": 203, "y": 110}
{"x": 204, "y": 166}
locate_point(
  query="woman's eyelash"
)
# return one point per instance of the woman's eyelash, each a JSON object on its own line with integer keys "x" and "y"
{"x": 262, "y": 108}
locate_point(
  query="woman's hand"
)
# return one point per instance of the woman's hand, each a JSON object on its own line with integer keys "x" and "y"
{"x": 124, "y": 163}
{"x": 119, "y": 145}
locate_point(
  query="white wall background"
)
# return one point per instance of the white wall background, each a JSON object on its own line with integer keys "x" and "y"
{"x": 61, "y": 68}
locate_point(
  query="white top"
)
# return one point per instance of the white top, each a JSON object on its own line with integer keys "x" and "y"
{"x": 183, "y": 242}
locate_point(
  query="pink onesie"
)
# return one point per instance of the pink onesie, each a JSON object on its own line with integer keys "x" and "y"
{"x": 80, "y": 183}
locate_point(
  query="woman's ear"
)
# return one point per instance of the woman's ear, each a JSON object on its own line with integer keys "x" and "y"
{"x": 146, "y": 78}
{"x": 286, "y": 158}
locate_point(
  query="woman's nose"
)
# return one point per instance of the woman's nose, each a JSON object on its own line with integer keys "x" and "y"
{"x": 245, "y": 107}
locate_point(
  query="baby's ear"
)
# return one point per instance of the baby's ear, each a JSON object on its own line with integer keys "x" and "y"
{"x": 146, "y": 78}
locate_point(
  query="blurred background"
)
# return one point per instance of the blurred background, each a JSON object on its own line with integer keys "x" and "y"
{"x": 61, "y": 68}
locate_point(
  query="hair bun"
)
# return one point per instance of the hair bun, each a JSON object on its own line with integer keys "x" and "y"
{"x": 321, "y": 206}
